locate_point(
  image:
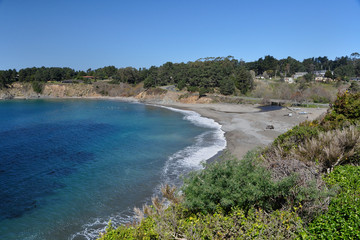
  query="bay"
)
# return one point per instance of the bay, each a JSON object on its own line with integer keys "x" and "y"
{"x": 67, "y": 167}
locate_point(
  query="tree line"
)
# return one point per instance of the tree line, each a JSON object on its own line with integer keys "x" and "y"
{"x": 203, "y": 75}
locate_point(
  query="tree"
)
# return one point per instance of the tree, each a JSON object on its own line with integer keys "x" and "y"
{"x": 181, "y": 84}
{"x": 149, "y": 82}
{"x": 244, "y": 81}
{"x": 354, "y": 87}
{"x": 328, "y": 74}
{"x": 227, "y": 86}
{"x": 309, "y": 77}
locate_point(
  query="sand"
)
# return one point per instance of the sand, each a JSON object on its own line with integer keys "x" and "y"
{"x": 245, "y": 126}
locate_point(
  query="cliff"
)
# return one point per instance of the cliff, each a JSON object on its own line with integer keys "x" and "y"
{"x": 63, "y": 90}
{"x": 100, "y": 89}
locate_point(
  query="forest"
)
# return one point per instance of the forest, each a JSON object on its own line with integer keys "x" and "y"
{"x": 203, "y": 75}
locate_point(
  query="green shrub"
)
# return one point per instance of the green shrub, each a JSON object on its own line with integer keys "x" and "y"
{"x": 37, "y": 86}
{"x": 344, "y": 111}
{"x": 233, "y": 183}
{"x": 181, "y": 84}
{"x": 203, "y": 91}
{"x": 292, "y": 138}
{"x": 342, "y": 221}
{"x": 348, "y": 104}
{"x": 256, "y": 224}
{"x": 192, "y": 89}
{"x": 144, "y": 230}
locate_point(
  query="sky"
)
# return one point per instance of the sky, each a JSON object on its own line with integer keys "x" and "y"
{"x": 84, "y": 34}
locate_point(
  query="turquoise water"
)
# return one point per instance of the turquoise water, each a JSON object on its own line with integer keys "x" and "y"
{"x": 69, "y": 166}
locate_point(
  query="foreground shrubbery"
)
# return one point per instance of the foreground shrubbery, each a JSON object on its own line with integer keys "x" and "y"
{"x": 231, "y": 182}
{"x": 299, "y": 187}
{"x": 342, "y": 221}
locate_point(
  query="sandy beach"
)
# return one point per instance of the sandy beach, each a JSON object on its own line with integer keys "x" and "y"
{"x": 245, "y": 126}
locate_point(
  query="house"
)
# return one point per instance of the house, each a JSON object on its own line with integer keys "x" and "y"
{"x": 299, "y": 74}
{"x": 355, "y": 79}
{"x": 319, "y": 73}
{"x": 289, "y": 80}
{"x": 319, "y": 79}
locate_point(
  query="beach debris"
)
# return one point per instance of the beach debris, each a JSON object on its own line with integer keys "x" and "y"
{"x": 303, "y": 113}
{"x": 290, "y": 114}
{"x": 270, "y": 127}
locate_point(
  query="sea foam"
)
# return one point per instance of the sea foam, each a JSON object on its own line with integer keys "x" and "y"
{"x": 206, "y": 146}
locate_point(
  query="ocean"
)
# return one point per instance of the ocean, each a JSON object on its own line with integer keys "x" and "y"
{"x": 69, "y": 166}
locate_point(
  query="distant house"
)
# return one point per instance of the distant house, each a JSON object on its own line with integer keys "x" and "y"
{"x": 319, "y": 79}
{"x": 289, "y": 80}
{"x": 299, "y": 74}
{"x": 319, "y": 73}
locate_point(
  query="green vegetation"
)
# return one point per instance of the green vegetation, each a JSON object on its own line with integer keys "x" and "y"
{"x": 342, "y": 221}
{"x": 305, "y": 185}
{"x": 221, "y": 74}
{"x": 37, "y": 86}
{"x": 231, "y": 182}
{"x": 294, "y": 136}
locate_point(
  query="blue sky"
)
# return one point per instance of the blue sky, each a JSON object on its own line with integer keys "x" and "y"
{"x": 91, "y": 34}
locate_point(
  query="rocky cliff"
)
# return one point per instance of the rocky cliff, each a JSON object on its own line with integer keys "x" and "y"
{"x": 63, "y": 90}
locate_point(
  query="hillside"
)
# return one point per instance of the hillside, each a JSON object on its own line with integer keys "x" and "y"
{"x": 304, "y": 185}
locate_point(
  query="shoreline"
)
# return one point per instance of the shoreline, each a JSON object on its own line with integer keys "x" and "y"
{"x": 245, "y": 125}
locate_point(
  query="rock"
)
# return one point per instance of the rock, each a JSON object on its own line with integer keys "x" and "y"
{"x": 270, "y": 127}
{"x": 6, "y": 96}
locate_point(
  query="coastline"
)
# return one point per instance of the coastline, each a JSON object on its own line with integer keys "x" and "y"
{"x": 245, "y": 125}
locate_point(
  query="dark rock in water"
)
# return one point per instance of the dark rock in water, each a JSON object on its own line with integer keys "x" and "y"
{"x": 270, "y": 127}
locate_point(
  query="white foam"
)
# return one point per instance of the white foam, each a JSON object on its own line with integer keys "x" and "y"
{"x": 207, "y": 145}
{"x": 196, "y": 118}
{"x": 92, "y": 230}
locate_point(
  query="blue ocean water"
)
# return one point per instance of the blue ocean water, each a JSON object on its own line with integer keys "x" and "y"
{"x": 69, "y": 166}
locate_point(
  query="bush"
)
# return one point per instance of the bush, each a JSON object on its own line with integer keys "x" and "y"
{"x": 37, "y": 86}
{"x": 174, "y": 222}
{"x": 292, "y": 138}
{"x": 144, "y": 230}
{"x": 347, "y": 105}
{"x": 181, "y": 84}
{"x": 233, "y": 183}
{"x": 192, "y": 89}
{"x": 342, "y": 221}
{"x": 331, "y": 148}
{"x": 256, "y": 224}
{"x": 203, "y": 91}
